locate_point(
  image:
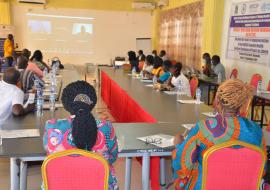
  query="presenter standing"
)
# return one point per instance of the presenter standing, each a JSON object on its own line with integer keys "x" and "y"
{"x": 9, "y": 50}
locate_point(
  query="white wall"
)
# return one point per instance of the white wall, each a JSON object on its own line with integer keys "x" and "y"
{"x": 246, "y": 70}
{"x": 115, "y": 32}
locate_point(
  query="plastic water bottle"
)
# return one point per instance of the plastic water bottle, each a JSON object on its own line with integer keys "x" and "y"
{"x": 259, "y": 86}
{"x": 133, "y": 72}
{"x": 52, "y": 101}
{"x": 179, "y": 91}
{"x": 155, "y": 80}
{"x": 39, "y": 106}
{"x": 141, "y": 74}
{"x": 45, "y": 72}
{"x": 198, "y": 96}
{"x": 36, "y": 84}
{"x": 219, "y": 78}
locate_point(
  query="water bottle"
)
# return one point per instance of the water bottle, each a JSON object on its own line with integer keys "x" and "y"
{"x": 39, "y": 92}
{"x": 198, "y": 96}
{"x": 39, "y": 106}
{"x": 179, "y": 91}
{"x": 36, "y": 84}
{"x": 45, "y": 72}
{"x": 259, "y": 86}
{"x": 52, "y": 101}
{"x": 141, "y": 74}
{"x": 133, "y": 72}
{"x": 155, "y": 80}
{"x": 219, "y": 78}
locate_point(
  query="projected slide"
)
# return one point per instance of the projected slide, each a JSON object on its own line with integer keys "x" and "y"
{"x": 55, "y": 34}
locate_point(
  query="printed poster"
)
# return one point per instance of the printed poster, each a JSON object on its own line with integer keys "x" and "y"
{"x": 249, "y": 32}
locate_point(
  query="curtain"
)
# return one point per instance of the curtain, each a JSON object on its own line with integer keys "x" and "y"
{"x": 5, "y": 17}
{"x": 180, "y": 33}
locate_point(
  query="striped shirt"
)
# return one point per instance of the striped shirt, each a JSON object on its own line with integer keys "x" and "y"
{"x": 28, "y": 78}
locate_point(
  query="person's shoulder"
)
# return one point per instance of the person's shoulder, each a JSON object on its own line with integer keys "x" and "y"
{"x": 58, "y": 123}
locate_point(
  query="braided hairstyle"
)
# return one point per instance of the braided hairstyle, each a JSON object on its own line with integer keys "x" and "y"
{"x": 79, "y": 98}
{"x": 232, "y": 96}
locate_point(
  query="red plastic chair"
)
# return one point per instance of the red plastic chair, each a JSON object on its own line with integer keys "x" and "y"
{"x": 141, "y": 64}
{"x": 75, "y": 169}
{"x": 268, "y": 88}
{"x": 255, "y": 79}
{"x": 194, "y": 82}
{"x": 225, "y": 167}
{"x": 234, "y": 74}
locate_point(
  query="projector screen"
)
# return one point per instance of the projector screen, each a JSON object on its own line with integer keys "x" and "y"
{"x": 79, "y": 36}
{"x": 61, "y": 34}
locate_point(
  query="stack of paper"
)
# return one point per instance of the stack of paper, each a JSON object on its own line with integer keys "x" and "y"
{"x": 188, "y": 126}
{"x": 9, "y": 134}
{"x": 209, "y": 114}
{"x": 188, "y": 101}
{"x": 150, "y": 85}
{"x": 146, "y": 80}
{"x": 265, "y": 92}
{"x": 170, "y": 92}
{"x": 160, "y": 140}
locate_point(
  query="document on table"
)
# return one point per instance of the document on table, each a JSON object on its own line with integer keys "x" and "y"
{"x": 21, "y": 133}
{"x": 265, "y": 92}
{"x": 188, "y": 101}
{"x": 170, "y": 92}
{"x": 209, "y": 114}
{"x": 149, "y": 85}
{"x": 160, "y": 140}
{"x": 48, "y": 93}
{"x": 46, "y": 106}
{"x": 146, "y": 80}
{"x": 188, "y": 126}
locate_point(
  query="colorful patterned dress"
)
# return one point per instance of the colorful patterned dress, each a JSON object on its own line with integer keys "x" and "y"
{"x": 58, "y": 137}
{"x": 188, "y": 156}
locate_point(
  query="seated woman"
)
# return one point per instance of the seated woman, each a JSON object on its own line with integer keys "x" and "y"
{"x": 81, "y": 130}
{"x": 148, "y": 67}
{"x": 232, "y": 96}
{"x": 37, "y": 58}
{"x": 157, "y": 68}
{"x": 166, "y": 72}
{"x": 133, "y": 61}
{"x": 179, "y": 78}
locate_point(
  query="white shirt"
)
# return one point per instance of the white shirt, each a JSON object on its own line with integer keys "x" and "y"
{"x": 185, "y": 83}
{"x": 148, "y": 68}
{"x": 10, "y": 95}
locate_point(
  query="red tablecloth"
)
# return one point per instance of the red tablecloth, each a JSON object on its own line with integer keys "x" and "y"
{"x": 126, "y": 110}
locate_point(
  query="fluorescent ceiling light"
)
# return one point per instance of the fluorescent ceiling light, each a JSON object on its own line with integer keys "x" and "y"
{"x": 59, "y": 16}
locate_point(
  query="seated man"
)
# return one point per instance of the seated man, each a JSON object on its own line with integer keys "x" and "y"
{"x": 28, "y": 77}
{"x": 218, "y": 68}
{"x": 12, "y": 96}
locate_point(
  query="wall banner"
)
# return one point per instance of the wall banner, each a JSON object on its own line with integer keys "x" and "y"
{"x": 249, "y": 32}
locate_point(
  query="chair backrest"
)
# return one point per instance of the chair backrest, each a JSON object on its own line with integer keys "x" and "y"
{"x": 194, "y": 82}
{"x": 233, "y": 165}
{"x": 75, "y": 169}
{"x": 126, "y": 67}
{"x": 255, "y": 79}
{"x": 234, "y": 74}
{"x": 268, "y": 88}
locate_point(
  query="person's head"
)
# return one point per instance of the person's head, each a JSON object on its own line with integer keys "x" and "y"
{"x": 79, "y": 98}
{"x": 12, "y": 76}
{"x": 157, "y": 62}
{"x": 206, "y": 57}
{"x": 10, "y": 37}
{"x": 176, "y": 69}
{"x": 132, "y": 56}
{"x": 162, "y": 53}
{"x": 215, "y": 60}
{"x": 149, "y": 60}
{"x": 232, "y": 97}
{"x": 37, "y": 56}
{"x": 83, "y": 30}
{"x": 154, "y": 52}
{"x": 22, "y": 62}
{"x": 166, "y": 65}
{"x": 140, "y": 52}
{"x": 26, "y": 53}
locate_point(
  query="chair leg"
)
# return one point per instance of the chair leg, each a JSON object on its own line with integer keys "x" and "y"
{"x": 162, "y": 171}
{"x": 23, "y": 175}
{"x": 128, "y": 173}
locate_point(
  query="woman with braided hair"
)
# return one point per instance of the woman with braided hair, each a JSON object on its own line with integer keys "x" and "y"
{"x": 81, "y": 130}
{"x": 232, "y": 96}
